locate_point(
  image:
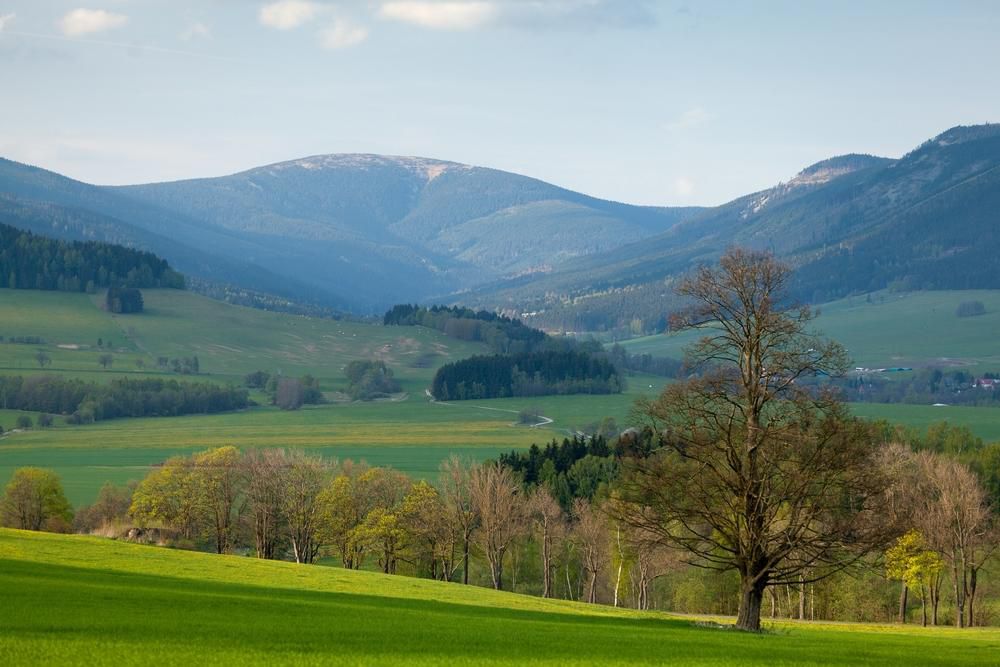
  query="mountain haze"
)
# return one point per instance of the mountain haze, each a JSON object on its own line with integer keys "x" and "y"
{"x": 849, "y": 224}
{"x": 354, "y": 231}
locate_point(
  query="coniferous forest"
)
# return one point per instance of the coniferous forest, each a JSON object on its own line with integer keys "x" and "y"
{"x": 28, "y": 261}
{"x": 529, "y": 374}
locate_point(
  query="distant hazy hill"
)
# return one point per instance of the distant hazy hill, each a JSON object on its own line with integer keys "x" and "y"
{"x": 855, "y": 223}
{"x": 358, "y": 230}
{"x": 365, "y": 231}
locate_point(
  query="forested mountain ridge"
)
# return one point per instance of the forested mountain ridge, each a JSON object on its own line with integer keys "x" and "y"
{"x": 354, "y": 231}
{"x": 361, "y": 232}
{"x": 431, "y": 223}
{"x": 52, "y": 205}
{"x": 851, "y": 224}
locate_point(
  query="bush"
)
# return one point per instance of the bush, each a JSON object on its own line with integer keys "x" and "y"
{"x": 44, "y": 420}
{"x": 23, "y": 421}
{"x": 970, "y": 309}
{"x": 368, "y": 380}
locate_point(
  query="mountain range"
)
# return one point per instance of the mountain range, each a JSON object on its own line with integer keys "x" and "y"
{"x": 360, "y": 232}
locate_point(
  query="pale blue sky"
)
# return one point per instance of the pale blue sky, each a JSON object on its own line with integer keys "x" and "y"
{"x": 646, "y": 102}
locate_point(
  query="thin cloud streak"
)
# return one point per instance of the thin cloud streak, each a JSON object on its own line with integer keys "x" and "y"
{"x": 127, "y": 45}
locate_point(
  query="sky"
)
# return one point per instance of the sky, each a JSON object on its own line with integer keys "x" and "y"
{"x": 667, "y": 103}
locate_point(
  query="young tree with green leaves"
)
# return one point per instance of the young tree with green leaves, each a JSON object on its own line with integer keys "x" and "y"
{"x": 34, "y": 500}
{"x": 911, "y": 562}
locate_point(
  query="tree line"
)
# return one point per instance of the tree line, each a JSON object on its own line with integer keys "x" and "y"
{"x": 28, "y": 261}
{"x": 527, "y": 374}
{"x": 502, "y": 334}
{"x": 84, "y": 402}
{"x": 925, "y": 386}
{"x": 484, "y": 524}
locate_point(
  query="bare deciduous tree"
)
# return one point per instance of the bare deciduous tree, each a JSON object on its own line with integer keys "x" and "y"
{"x": 461, "y": 511}
{"x": 302, "y": 480}
{"x": 547, "y": 520}
{"x": 263, "y": 471}
{"x": 754, "y": 472}
{"x": 956, "y": 521}
{"x": 592, "y": 535}
{"x": 496, "y": 497}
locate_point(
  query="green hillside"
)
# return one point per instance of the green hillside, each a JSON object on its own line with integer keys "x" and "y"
{"x": 230, "y": 341}
{"x": 410, "y": 434}
{"x": 80, "y": 600}
{"x": 911, "y": 329}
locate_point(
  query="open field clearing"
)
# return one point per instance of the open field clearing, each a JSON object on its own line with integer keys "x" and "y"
{"x": 912, "y": 329}
{"x": 81, "y": 600}
{"x": 229, "y": 341}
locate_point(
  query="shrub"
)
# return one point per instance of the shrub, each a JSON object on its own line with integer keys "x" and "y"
{"x": 970, "y": 309}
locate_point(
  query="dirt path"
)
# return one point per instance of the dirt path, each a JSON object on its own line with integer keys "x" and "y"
{"x": 545, "y": 421}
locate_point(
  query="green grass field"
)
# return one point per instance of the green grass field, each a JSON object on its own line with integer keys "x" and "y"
{"x": 913, "y": 329}
{"x": 72, "y": 600}
{"x": 230, "y": 341}
{"x": 412, "y": 434}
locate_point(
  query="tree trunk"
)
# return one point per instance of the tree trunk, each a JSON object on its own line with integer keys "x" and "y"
{"x": 546, "y": 567}
{"x": 618, "y": 582}
{"x": 959, "y": 604}
{"x": 465, "y": 562}
{"x": 923, "y": 606}
{"x": 496, "y": 572}
{"x": 751, "y": 595}
{"x": 802, "y": 598}
{"x": 971, "y": 598}
{"x": 903, "y": 595}
{"x": 592, "y": 593}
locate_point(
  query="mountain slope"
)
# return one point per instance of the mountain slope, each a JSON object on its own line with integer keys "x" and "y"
{"x": 415, "y": 222}
{"x": 355, "y": 231}
{"x": 46, "y": 203}
{"x": 854, "y": 223}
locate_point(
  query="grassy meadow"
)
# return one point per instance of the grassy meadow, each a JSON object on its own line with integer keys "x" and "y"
{"x": 913, "y": 329}
{"x": 409, "y": 433}
{"x": 83, "y": 600}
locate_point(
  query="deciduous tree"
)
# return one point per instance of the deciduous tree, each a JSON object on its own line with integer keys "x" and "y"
{"x": 755, "y": 472}
{"x": 34, "y": 499}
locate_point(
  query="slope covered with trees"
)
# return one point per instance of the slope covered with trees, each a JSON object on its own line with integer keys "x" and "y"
{"x": 28, "y": 261}
{"x": 851, "y": 224}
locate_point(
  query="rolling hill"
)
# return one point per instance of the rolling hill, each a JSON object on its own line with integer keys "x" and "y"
{"x": 351, "y": 231}
{"x": 850, "y": 224}
{"x": 83, "y": 600}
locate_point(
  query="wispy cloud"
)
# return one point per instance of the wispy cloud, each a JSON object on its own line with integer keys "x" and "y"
{"x": 683, "y": 187}
{"x": 196, "y": 31}
{"x": 288, "y": 14}
{"x": 86, "y": 21}
{"x": 6, "y": 20}
{"x": 442, "y": 15}
{"x": 690, "y": 119}
{"x": 343, "y": 34}
{"x": 531, "y": 14}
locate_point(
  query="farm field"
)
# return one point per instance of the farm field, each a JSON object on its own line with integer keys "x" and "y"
{"x": 229, "y": 341}
{"x": 410, "y": 434}
{"x": 911, "y": 329}
{"x": 82, "y": 600}
{"x": 984, "y": 422}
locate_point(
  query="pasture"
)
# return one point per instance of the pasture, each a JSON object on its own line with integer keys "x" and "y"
{"x": 913, "y": 329}
{"x": 82, "y": 600}
{"x": 410, "y": 433}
